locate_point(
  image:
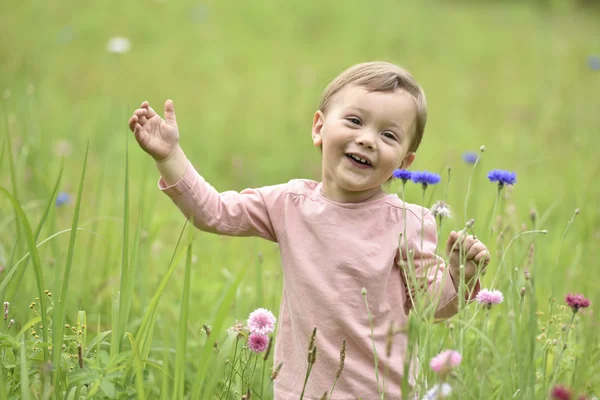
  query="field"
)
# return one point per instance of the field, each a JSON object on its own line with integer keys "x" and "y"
{"x": 87, "y": 236}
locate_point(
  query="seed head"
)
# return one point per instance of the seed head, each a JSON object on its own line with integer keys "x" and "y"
{"x": 276, "y": 371}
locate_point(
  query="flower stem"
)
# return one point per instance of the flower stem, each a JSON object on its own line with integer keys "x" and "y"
{"x": 364, "y": 293}
{"x": 557, "y": 364}
{"x": 500, "y": 186}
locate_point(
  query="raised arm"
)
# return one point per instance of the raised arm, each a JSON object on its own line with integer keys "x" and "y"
{"x": 251, "y": 212}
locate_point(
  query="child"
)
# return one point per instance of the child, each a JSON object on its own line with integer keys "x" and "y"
{"x": 335, "y": 236}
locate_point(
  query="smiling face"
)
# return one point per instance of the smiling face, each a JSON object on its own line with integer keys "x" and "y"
{"x": 364, "y": 136}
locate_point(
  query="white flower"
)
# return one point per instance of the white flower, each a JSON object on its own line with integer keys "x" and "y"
{"x": 118, "y": 45}
{"x": 438, "y": 392}
{"x": 440, "y": 209}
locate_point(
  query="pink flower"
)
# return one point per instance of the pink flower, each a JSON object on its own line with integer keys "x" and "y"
{"x": 445, "y": 361}
{"x": 577, "y": 301}
{"x": 261, "y": 321}
{"x": 560, "y": 393}
{"x": 489, "y": 297}
{"x": 257, "y": 342}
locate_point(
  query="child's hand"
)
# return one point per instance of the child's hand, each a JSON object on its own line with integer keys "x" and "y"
{"x": 156, "y": 136}
{"x": 474, "y": 253}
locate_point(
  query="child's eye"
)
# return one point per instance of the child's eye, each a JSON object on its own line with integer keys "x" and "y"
{"x": 390, "y": 135}
{"x": 354, "y": 120}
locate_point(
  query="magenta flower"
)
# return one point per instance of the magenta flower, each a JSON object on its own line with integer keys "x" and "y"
{"x": 560, "y": 393}
{"x": 445, "y": 361}
{"x": 257, "y": 342}
{"x": 577, "y": 301}
{"x": 489, "y": 297}
{"x": 261, "y": 321}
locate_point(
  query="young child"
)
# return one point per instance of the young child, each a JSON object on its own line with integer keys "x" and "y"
{"x": 335, "y": 236}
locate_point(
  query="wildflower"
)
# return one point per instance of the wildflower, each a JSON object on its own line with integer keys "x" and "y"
{"x": 576, "y": 301}
{"x": 470, "y": 157}
{"x": 489, "y": 297}
{"x": 6, "y": 304}
{"x": 438, "y": 392}
{"x": 237, "y": 327}
{"x": 594, "y": 63}
{"x": 502, "y": 177}
{"x": 560, "y": 393}
{"x": 402, "y": 174}
{"x": 261, "y": 321}
{"x": 425, "y": 178}
{"x": 445, "y": 361}
{"x": 441, "y": 210}
{"x": 10, "y": 323}
{"x": 118, "y": 45}
{"x": 258, "y": 342}
{"x": 62, "y": 198}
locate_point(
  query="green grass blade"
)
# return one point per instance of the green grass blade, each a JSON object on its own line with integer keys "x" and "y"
{"x": 59, "y": 313}
{"x": 123, "y": 311}
{"x": 178, "y": 387}
{"x": 14, "y": 288}
{"x": 143, "y": 339}
{"x": 24, "y": 373}
{"x": 218, "y": 366}
{"x": 2, "y": 153}
{"x": 15, "y": 267}
{"x": 12, "y": 169}
{"x": 219, "y": 319}
{"x": 35, "y": 257}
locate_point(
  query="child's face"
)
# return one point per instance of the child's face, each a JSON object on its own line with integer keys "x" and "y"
{"x": 374, "y": 126}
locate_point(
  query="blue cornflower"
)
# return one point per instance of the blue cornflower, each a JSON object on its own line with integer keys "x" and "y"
{"x": 62, "y": 198}
{"x": 594, "y": 63}
{"x": 470, "y": 157}
{"x": 401, "y": 174}
{"x": 425, "y": 178}
{"x": 502, "y": 177}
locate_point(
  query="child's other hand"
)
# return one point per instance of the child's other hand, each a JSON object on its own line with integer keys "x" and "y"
{"x": 474, "y": 252}
{"x": 156, "y": 136}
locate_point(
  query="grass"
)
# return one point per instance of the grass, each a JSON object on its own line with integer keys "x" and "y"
{"x": 245, "y": 79}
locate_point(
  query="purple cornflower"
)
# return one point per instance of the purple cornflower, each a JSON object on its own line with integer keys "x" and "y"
{"x": 425, "y": 178}
{"x": 62, "y": 198}
{"x": 489, "y": 297}
{"x": 502, "y": 177}
{"x": 445, "y": 361}
{"x": 577, "y": 301}
{"x": 261, "y": 321}
{"x": 470, "y": 157}
{"x": 257, "y": 342}
{"x": 402, "y": 174}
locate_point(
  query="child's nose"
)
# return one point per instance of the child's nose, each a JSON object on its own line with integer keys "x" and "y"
{"x": 366, "y": 138}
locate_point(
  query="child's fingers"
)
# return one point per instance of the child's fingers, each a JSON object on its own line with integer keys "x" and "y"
{"x": 132, "y": 121}
{"x": 451, "y": 240}
{"x": 483, "y": 255}
{"x": 170, "y": 112}
{"x": 149, "y": 111}
{"x": 475, "y": 249}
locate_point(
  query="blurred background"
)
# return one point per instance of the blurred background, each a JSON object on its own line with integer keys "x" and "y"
{"x": 520, "y": 77}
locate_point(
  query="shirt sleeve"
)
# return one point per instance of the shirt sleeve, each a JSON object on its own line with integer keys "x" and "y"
{"x": 426, "y": 275}
{"x": 251, "y": 212}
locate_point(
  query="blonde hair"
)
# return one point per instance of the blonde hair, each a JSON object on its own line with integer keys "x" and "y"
{"x": 379, "y": 76}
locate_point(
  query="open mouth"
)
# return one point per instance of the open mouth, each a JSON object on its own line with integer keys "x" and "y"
{"x": 358, "y": 160}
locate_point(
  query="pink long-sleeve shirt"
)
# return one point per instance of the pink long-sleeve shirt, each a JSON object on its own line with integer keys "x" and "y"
{"x": 329, "y": 252}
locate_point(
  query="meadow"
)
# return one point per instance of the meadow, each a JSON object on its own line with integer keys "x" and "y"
{"x": 112, "y": 295}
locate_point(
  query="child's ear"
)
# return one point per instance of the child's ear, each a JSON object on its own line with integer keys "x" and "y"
{"x": 317, "y": 125}
{"x": 408, "y": 160}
